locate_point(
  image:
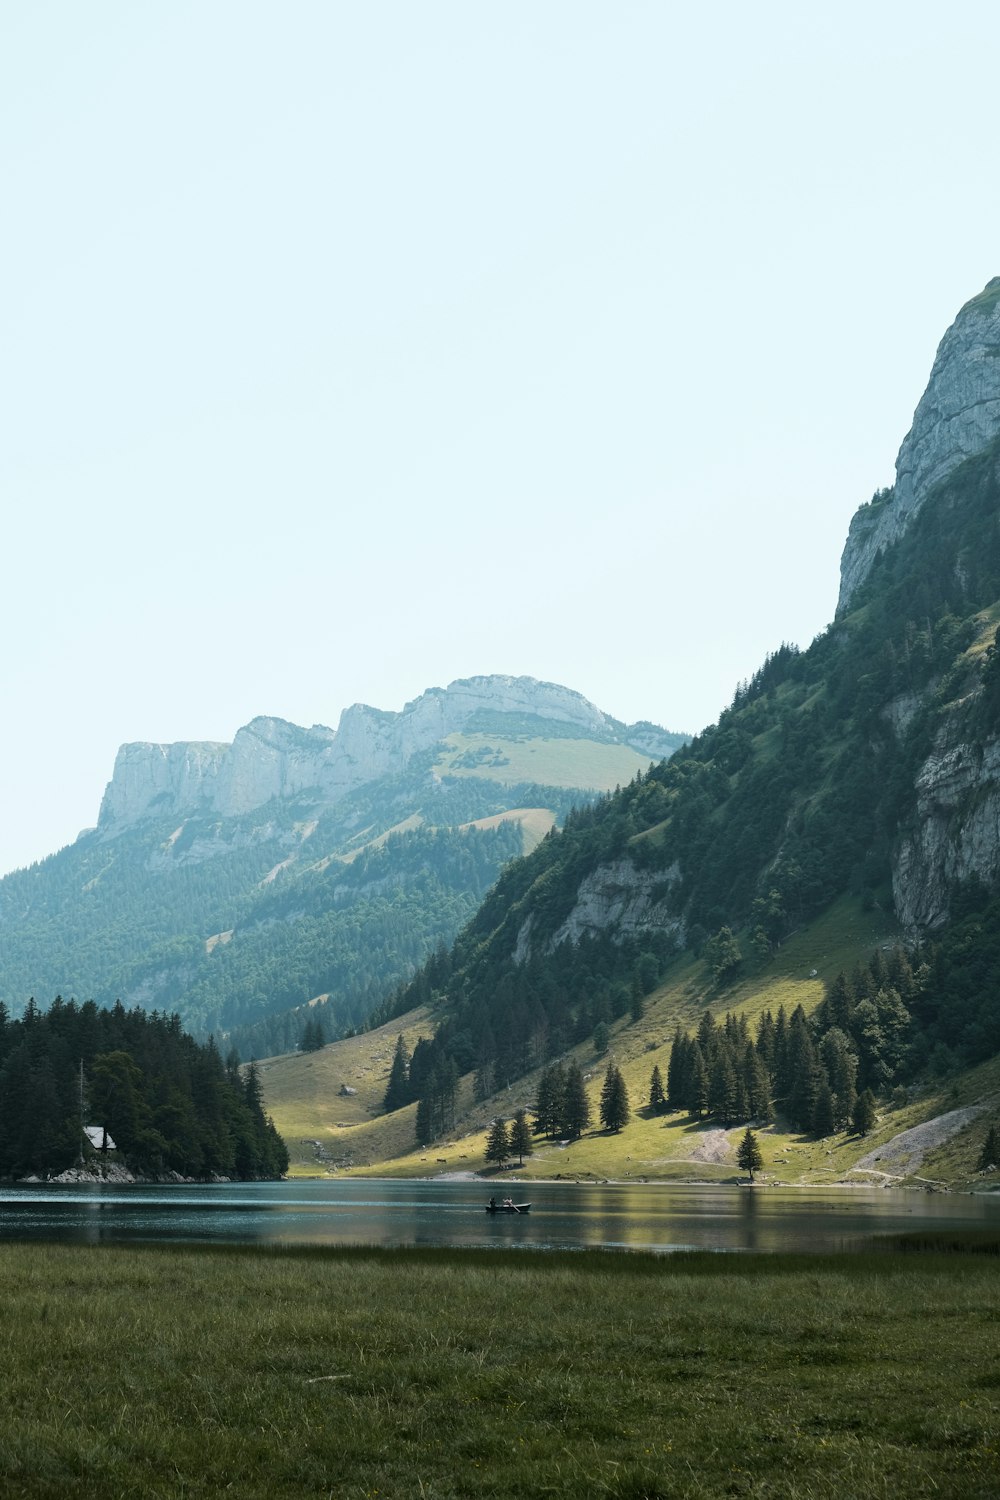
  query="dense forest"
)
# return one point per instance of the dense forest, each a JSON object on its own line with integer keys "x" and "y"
{"x": 794, "y": 798}
{"x": 168, "y": 1104}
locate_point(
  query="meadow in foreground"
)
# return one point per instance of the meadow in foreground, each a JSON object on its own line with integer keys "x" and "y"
{"x": 195, "y": 1372}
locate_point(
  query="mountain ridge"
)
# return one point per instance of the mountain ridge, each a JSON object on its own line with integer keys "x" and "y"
{"x": 273, "y": 758}
{"x": 245, "y": 885}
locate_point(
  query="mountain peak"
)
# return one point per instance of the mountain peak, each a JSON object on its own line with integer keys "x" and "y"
{"x": 957, "y": 416}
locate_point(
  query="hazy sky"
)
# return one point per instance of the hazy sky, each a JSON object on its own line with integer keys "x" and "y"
{"x": 348, "y": 349}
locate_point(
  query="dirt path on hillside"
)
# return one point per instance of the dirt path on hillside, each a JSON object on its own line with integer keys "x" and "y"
{"x": 904, "y": 1153}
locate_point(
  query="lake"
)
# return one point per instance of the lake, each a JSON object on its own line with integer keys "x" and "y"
{"x": 564, "y": 1216}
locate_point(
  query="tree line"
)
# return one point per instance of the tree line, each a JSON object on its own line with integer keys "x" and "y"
{"x": 169, "y": 1104}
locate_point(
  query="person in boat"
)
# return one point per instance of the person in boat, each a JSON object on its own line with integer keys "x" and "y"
{"x": 493, "y": 1204}
{"x": 508, "y": 1203}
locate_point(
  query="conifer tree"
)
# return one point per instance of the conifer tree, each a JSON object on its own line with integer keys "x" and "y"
{"x": 550, "y": 1103}
{"x": 697, "y": 1100}
{"x": 678, "y": 1068}
{"x": 576, "y": 1105}
{"x": 423, "y": 1126}
{"x": 657, "y": 1098}
{"x": 863, "y": 1115}
{"x": 823, "y": 1120}
{"x": 498, "y": 1142}
{"x": 989, "y": 1156}
{"x": 749, "y": 1155}
{"x": 520, "y": 1136}
{"x": 397, "y": 1092}
{"x": 615, "y": 1108}
{"x": 757, "y": 1084}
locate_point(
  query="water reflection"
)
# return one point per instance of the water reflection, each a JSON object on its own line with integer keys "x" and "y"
{"x": 659, "y": 1218}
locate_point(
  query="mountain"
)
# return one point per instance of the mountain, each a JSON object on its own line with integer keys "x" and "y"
{"x": 866, "y": 767}
{"x": 297, "y": 873}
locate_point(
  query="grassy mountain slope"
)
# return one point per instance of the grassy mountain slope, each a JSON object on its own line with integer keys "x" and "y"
{"x": 563, "y": 762}
{"x": 327, "y": 1133}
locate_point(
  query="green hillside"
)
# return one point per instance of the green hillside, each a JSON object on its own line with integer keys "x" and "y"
{"x": 330, "y": 1133}
{"x": 294, "y": 921}
{"x": 799, "y": 799}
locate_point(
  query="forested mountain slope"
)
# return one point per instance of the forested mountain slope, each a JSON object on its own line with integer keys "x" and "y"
{"x": 298, "y": 874}
{"x": 867, "y": 764}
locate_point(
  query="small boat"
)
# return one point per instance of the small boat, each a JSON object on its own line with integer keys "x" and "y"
{"x": 507, "y": 1208}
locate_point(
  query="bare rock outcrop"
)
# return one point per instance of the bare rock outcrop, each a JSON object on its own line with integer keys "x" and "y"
{"x": 956, "y": 832}
{"x": 624, "y": 899}
{"x": 958, "y": 416}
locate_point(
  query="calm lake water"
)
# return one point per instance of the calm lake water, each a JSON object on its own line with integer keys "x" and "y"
{"x": 563, "y": 1216}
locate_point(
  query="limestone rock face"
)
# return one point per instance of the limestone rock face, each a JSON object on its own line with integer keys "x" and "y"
{"x": 958, "y": 416}
{"x": 270, "y": 758}
{"x": 148, "y": 778}
{"x": 956, "y": 835}
{"x": 624, "y": 899}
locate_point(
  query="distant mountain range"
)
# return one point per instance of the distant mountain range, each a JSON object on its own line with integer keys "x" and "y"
{"x": 300, "y": 873}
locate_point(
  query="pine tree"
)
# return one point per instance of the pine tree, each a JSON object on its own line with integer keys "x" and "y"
{"x": 576, "y": 1105}
{"x": 842, "y": 1070}
{"x": 722, "y": 1101}
{"x": 498, "y": 1142}
{"x": 863, "y": 1116}
{"x": 678, "y": 1068}
{"x": 397, "y": 1092}
{"x": 550, "y": 1102}
{"x": 424, "y": 1126}
{"x": 757, "y": 1085}
{"x": 520, "y": 1136}
{"x": 697, "y": 1102}
{"x": 990, "y": 1154}
{"x": 313, "y": 1038}
{"x": 823, "y": 1120}
{"x": 615, "y": 1109}
{"x": 657, "y": 1098}
{"x": 749, "y": 1156}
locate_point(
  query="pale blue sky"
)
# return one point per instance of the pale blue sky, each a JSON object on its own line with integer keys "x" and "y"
{"x": 349, "y": 349}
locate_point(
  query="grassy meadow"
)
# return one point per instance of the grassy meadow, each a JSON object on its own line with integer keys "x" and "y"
{"x": 378, "y": 1374}
{"x": 565, "y": 762}
{"x": 328, "y": 1132}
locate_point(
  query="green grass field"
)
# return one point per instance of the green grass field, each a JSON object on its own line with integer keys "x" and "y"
{"x": 174, "y": 1373}
{"x": 558, "y": 762}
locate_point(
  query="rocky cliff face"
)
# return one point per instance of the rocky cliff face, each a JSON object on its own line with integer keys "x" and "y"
{"x": 270, "y": 758}
{"x": 621, "y": 896}
{"x": 958, "y": 415}
{"x": 957, "y": 830}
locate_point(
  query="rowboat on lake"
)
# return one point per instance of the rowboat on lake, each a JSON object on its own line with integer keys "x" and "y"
{"x": 507, "y": 1207}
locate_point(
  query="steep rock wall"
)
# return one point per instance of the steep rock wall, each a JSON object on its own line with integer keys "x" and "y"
{"x": 957, "y": 416}
{"x": 621, "y": 897}
{"x": 956, "y": 834}
{"x": 271, "y": 758}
